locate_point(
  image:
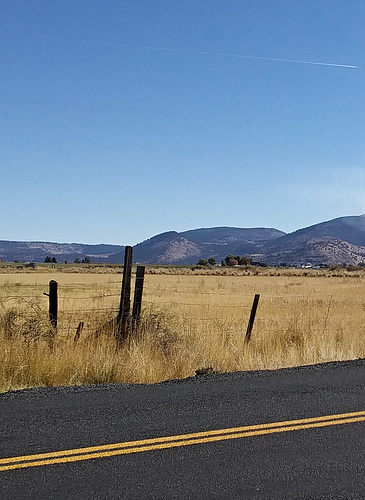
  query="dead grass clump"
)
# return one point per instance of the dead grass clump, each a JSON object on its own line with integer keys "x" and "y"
{"x": 26, "y": 324}
{"x": 30, "y": 357}
{"x": 162, "y": 330}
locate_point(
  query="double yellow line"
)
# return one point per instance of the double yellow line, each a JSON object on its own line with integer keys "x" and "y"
{"x": 161, "y": 443}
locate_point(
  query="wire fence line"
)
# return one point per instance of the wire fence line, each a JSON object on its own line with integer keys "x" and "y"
{"x": 70, "y": 288}
{"x": 283, "y": 300}
{"x": 202, "y": 310}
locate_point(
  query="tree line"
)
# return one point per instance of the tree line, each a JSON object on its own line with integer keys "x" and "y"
{"x": 53, "y": 260}
{"x": 230, "y": 260}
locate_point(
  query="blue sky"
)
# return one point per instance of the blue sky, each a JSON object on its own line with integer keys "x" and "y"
{"x": 119, "y": 120}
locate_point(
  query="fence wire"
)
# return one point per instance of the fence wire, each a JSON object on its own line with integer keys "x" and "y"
{"x": 194, "y": 304}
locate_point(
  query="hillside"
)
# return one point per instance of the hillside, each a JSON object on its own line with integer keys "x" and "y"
{"x": 189, "y": 246}
{"x": 228, "y": 235}
{"x": 350, "y": 229}
{"x": 166, "y": 248}
{"x": 340, "y": 240}
{"x": 337, "y": 241}
{"x": 322, "y": 250}
{"x": 36, "y": 251}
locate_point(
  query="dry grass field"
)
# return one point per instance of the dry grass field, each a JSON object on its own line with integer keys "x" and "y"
{"x": 191, "y": 320}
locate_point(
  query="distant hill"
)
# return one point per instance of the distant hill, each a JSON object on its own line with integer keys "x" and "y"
{"x": 228, "y": 235}
{"x": 166, "y": 248}
{"x": 189, "y": 246}
{"x": 337, "y": 241}
{"x": 321, "y": 250}
{"x": 37, "y": 251}
{"x": 350, "y": 229}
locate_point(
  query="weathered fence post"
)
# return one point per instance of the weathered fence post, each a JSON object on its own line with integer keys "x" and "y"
{"x": 252, "y": 318}
{"x": 53, "y": 303}
{"x": 78, "y": 332}
{"x": 125, "y": 297}
{"x": 137, "y": 301}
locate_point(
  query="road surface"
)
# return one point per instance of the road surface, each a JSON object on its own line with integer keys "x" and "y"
{"x": 286, "y": 434}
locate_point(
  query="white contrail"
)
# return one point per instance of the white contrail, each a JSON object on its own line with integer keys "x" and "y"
{"x": 223, "y": 54}
{"x": 183, "y": 51}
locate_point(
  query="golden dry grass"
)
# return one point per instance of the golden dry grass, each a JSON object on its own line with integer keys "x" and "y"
{"x": 192, "y": 319}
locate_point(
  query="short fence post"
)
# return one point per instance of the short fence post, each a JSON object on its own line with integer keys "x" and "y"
{"x": 53, "y": 303}
{"x": 125, "y": 297}
{"x": 78, "y": 332}
{"x": 138, "y": 291}
{"x": 252, "y": 318}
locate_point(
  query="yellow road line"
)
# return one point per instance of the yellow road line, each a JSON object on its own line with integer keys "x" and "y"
{"x": 182, "y": 437}
{"x": 78, "y": 454}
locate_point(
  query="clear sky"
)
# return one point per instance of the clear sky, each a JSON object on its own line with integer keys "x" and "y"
{"x": 122, "y": 119}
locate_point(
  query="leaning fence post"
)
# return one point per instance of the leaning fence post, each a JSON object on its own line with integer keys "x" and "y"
{"x": 125, "y": 297}
{"x": 252, "y": 318}
{"x": 137, "y": 301}
{"x": 53, "y": 303}
{"x": 78, "y": 332}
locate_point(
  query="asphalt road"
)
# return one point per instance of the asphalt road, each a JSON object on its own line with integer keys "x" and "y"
{"x": 317, "y": 453}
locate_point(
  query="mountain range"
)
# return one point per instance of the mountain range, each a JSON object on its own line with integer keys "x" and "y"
{"x": 338, "y": 241}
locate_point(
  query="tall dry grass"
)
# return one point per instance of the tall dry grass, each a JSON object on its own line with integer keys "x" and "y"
{"x": 189, "y": 322}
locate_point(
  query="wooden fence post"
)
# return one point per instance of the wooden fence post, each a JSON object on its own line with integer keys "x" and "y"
{"x": 138, "y": 291}
{"x": 53, "y": 303}
{"x": 78, "y": 332}
{"x": 125, "y": 297}
{"x": 252, "y": 318}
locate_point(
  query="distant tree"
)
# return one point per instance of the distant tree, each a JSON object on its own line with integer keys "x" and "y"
{"x": 228, "y": 258}
{"x": 47, "y": 260}
{"x": 243, "y": 261}
{"x": 86, "y": 260}
{"x": 54, "y": 261}
{"x": 202, "y": 262}
{"x": 212, "y": 261}
{"x": 77, "y": 260}
{"x": 232, "y": 262}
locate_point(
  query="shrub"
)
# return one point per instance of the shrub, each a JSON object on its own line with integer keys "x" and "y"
{"x": 202, "y": 262}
